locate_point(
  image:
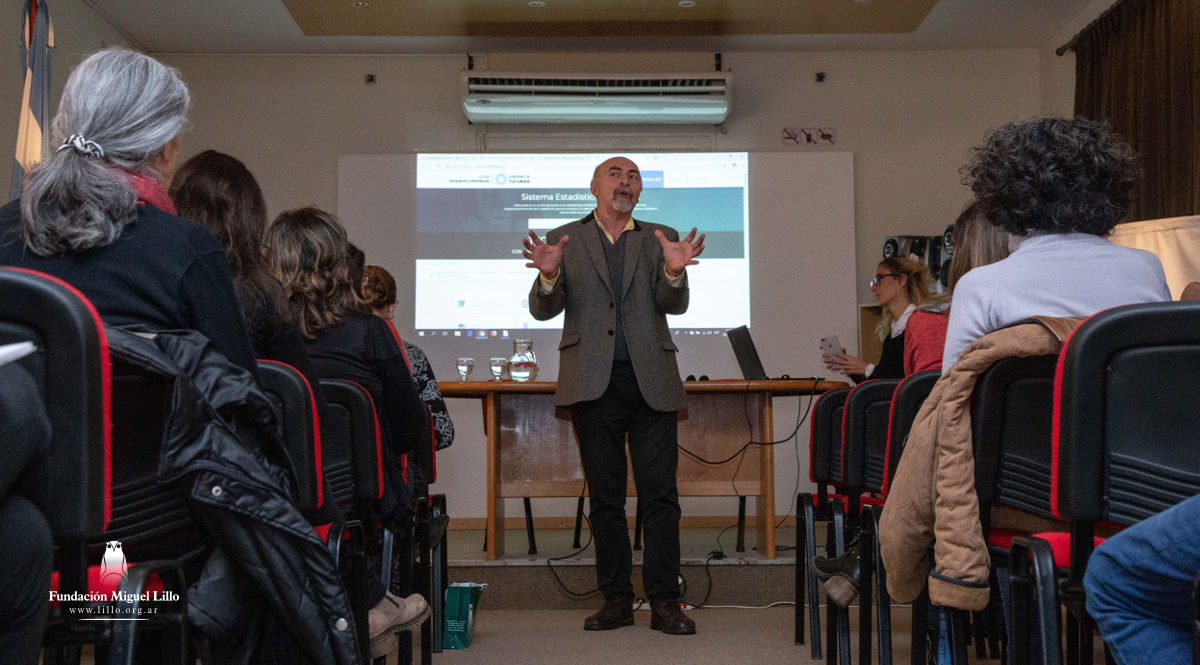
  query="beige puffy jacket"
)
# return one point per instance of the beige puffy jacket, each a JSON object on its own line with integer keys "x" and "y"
{"x": 932, "y": 498}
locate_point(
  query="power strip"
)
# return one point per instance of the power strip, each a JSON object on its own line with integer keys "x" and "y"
{"x": 646, "y": 606}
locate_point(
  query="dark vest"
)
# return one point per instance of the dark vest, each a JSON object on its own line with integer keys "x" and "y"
{"x": 614, "y": 255}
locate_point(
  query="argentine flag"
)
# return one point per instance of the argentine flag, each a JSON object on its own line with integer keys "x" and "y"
{"x": 37, "y": 38}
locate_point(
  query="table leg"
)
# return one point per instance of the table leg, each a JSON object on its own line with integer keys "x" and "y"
{"x": 495, "y": 502}
{"x": 766, "y": 476}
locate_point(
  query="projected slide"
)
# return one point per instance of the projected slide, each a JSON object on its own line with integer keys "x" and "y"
{"x": 474, "y": 209}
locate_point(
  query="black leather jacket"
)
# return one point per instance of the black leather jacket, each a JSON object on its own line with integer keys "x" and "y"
{"x": 222, "y": 444}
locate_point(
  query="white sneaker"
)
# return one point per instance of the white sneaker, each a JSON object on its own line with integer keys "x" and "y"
{"x": 394, "y": 615}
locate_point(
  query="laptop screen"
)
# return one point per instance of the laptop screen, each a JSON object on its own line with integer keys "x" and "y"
{"x": 747, "y": 355}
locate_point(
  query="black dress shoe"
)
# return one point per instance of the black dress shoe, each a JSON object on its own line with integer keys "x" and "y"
{"x": 616, "y": 612}
{"x": 665, "y": 615}
{"x": 840, "y": 576}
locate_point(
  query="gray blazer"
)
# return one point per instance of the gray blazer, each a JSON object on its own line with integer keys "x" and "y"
{"x": 584, "y": 291}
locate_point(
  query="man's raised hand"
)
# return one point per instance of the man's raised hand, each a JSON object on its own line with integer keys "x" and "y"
{"x": 680, "y": 255}
{"x": 546, "y": 258}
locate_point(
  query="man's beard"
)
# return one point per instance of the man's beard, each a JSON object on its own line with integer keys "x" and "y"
{"x": 623, "y": 205}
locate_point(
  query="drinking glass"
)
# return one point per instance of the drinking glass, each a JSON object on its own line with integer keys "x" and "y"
{"x": 497, "y": 365}
{"x": 465, "y": 365}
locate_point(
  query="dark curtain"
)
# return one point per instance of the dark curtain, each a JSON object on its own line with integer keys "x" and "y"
{"x": 1138, "y": 67}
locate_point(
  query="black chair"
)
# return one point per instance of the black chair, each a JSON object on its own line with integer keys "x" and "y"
{"x": 824, "y": 469}
{"x": 105, "y": 415}
{"x": 1122, "y": 449}
{"x": 352, "y": 459}
{"x": 289, "y": 391}
{"x": 1011, "y": 423}
{"x": 906, "y": 402}
{"x": 354, "y": 452}
{"x": 864, "y": 464}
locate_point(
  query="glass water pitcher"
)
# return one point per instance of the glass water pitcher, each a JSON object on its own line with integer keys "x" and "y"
{"x": 523, "y": 366}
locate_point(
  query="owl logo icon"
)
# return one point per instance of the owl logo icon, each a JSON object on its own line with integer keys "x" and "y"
{"x": 113, "y": 563}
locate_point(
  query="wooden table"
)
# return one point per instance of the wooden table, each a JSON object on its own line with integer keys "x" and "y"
{"x": 532, "y": 452}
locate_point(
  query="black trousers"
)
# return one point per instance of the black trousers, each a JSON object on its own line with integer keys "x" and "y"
{"x": 601, "y": 426}
{"x": 25, "y": 536}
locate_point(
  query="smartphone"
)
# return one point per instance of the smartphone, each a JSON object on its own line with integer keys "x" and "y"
{"x": 830, "y": 345}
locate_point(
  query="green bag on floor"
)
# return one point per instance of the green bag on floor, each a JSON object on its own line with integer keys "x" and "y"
{"x": 461, "y": 599}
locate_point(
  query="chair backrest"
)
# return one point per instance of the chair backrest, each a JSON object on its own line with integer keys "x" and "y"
{"x": 1125, "y": 416}
{"x": 825, "y": 437}
{"x": 864, "y": 434}
{"x": 1011, "y": 411}
{"x": 906, "y": 402}
{"x": 289, "y": 391}
{"x": 352, "y": 453}
{"x": 72, "y": 372}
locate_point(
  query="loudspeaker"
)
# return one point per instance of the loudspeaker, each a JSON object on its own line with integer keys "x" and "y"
{"x": 912, "y": 247}
{"x": 941, "y": 249}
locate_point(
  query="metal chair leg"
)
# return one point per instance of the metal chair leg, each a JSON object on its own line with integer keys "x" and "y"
{"x": 800, "y": 573}
{"x": 741, "y": 524}
{"x": 529, "y": 527}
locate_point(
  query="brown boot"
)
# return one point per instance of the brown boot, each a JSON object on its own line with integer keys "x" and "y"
{"x": 394, "y": 615}
{"x": 666, "y": 615}
{"x": 616, "y": 612}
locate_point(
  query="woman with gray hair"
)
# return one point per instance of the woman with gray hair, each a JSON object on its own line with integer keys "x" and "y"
{"x": 96, "y": 214}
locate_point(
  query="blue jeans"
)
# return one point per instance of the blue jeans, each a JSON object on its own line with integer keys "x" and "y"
{"x": 1139, "y": 587}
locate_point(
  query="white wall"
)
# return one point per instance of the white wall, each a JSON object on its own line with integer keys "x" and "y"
{"x": 908, "y": 116}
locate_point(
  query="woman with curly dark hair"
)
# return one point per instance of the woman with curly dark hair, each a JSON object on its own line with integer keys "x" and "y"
{"x": 1059, "y": 186}
{"x": 308, "y": 254}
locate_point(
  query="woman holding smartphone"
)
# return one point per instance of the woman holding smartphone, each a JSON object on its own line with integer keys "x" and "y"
{"x": 900, "y": 285}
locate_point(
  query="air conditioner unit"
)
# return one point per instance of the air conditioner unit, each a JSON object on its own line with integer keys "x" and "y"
{"x": 521, "y": 97}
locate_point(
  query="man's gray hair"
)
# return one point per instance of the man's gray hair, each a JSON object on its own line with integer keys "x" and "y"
{"x": 128, "y": 105}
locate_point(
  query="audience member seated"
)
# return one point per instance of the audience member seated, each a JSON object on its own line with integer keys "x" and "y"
{"x": 1059, "y": 186}
{"x": 1064, "y": 184}
{"x": 1139, "y": 587}
{"x": 977, "y": 242}
{"x": 379, "y": 293}
{"x": 96, "y": 213}
{"x": 900, "y": 285}
{"x": 308, "y": 253}
{"x": 24, "y": 534}
{"x": 219, "y": 193}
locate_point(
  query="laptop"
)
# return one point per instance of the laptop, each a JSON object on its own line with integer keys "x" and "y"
{"x": 747, "y": 355}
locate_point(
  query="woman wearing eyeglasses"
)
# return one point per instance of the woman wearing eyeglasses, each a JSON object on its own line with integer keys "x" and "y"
{"x": 900, "y": 285}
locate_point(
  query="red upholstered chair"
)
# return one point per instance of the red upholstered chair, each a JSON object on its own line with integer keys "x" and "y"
{"x": 825, "y": 441}
{"x": 866, "y": 421}
{"x": 104, "y": 415}
{"x": 352, "y": 458}
{"x": 1123, "y": 449}
{"x": 289, "y": 391}
{"x": 846, "y": 465}
{"x": 906, "y": 402}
